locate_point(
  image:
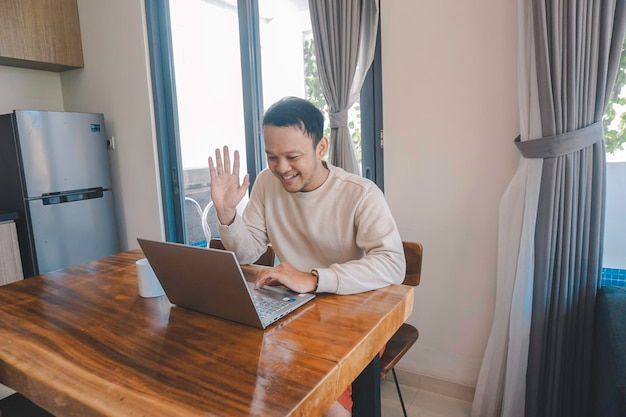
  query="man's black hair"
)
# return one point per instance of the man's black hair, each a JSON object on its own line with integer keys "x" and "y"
{"x": 298, "y": 113}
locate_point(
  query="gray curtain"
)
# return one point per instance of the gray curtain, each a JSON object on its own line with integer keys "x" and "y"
{"x": 578, "y": 47}
{"x": 345, "y": 39}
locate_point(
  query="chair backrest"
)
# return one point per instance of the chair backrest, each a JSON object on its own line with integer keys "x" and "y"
{"x": 210, "y": 221}
{"x": 413, "y": 255}
{"x": 193, "y": 222}
{"x": 267, "y": 259}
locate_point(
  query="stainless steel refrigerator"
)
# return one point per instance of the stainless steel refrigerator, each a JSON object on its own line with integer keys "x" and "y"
{"x": 54, "y": 172}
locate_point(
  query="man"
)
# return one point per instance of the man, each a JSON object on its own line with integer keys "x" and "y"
{"x": 332, "y": 231}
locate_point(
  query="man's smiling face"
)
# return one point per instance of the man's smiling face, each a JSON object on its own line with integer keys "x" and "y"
{"x": 292, "y": 158}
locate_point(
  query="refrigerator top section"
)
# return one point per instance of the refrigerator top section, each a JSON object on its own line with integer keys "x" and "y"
{"x": 53, "y": 111}
{"x": 62, "y": 151}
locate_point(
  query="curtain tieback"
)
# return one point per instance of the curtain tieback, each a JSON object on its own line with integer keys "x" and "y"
{"x": 563, "y": 144}
{"x": 338, "y": 119}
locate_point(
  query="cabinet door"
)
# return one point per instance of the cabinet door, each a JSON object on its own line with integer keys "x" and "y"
{"x": 40, "y": 34}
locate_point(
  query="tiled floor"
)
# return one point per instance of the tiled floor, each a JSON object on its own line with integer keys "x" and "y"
{"x": 420, "y": 403}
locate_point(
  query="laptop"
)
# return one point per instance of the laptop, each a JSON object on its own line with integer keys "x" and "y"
{"x": 211, "y": 281}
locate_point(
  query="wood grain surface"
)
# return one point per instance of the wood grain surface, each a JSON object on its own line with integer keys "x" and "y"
{"x": 41, "y": 34}
{"x": 81, "y": 342}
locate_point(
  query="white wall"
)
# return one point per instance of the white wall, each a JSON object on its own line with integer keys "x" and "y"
{"x": 450, "y": 117}
{"x": 29, "y": 89}
{"x": 116, "y": 81}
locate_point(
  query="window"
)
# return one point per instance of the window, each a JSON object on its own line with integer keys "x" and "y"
{"x": 216, "y": 64}
{"x": 614, "y": 262}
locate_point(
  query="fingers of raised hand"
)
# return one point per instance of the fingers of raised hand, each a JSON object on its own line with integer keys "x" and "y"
{"x": 222, "y": 164}
{"x": 211, "y": 166}
{"x": 214, "y": 169}
{"x": 226, "y": 165}
{"x": 236, "y": 163}
{"x": 219, "y": 165}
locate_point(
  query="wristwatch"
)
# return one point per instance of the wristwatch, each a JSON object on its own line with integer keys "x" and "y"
{"x": 317, "y": 278}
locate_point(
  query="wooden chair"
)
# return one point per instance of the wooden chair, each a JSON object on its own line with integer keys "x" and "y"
{"x": 406, "y": 335}
{"x": 267, "y": 259}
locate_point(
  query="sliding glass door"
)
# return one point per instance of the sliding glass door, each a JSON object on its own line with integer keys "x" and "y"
{"x": 216, "y": 65}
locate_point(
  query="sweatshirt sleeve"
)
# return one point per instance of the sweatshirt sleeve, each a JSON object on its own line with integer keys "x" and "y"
{"x": 247, "y": 235}
{"x": 383, "y": 264}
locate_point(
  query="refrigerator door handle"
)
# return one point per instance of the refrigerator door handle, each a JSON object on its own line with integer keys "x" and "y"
{"x": 71, "y": 195}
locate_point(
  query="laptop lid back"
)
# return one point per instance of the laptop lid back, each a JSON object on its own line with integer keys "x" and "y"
{"x": 202, "y": 279}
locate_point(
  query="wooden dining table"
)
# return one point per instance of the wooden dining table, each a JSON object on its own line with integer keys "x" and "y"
{"x": 82, "y": 342}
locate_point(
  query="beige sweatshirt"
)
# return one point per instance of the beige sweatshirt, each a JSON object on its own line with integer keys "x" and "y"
{"x": 344, "y": 230}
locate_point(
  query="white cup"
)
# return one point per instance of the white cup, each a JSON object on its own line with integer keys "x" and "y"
{"x": 149, "y": 285}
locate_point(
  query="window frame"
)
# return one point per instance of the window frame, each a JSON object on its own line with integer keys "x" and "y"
{"x": 371, "y": 98}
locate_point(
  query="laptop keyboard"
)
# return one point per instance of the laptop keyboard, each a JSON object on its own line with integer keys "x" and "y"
{"x": 269, "y": 306}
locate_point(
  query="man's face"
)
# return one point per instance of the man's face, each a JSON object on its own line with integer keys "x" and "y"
{"x": 292, "y": 159}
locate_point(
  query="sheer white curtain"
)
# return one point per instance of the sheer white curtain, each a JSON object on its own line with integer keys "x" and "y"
{"x": 501, "y": 386}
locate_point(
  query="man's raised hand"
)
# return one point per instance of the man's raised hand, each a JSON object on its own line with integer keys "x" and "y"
{"x": 226, "y": 192}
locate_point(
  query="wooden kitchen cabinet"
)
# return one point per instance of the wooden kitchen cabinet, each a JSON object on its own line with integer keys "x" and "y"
{"x": 40, "y": 34}
{"x": 10, "y": 261}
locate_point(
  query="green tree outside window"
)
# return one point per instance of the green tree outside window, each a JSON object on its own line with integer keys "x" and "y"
{"x": 615, "y": 116}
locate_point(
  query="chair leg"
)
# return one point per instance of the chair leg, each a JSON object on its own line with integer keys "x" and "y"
{"x": 395, "y": 378}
